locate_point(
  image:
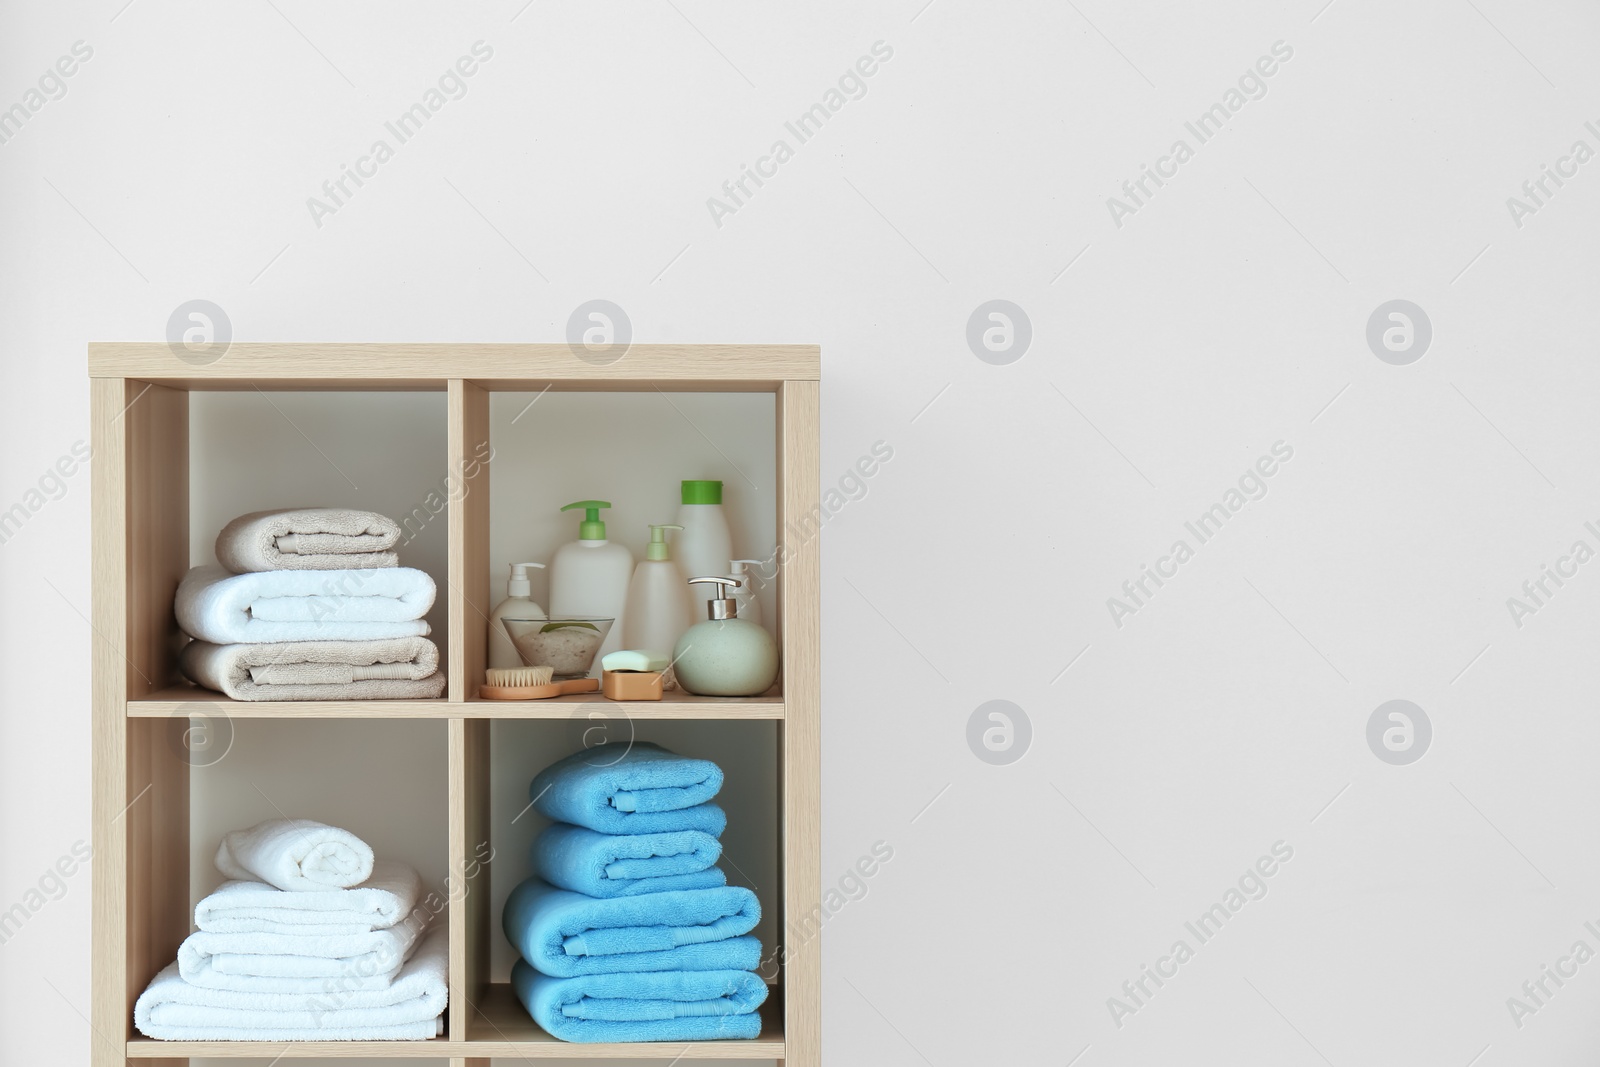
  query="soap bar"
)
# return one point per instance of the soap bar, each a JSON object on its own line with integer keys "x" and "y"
{"x": 631, "y": 685}
{"x": 635, "y": 660}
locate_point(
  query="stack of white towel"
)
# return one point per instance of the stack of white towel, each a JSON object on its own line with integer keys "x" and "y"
{"x": 312, "y": 942}
{"x": 309, "y": 605}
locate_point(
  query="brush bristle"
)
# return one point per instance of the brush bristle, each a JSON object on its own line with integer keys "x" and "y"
{"x": 521, "y": 676}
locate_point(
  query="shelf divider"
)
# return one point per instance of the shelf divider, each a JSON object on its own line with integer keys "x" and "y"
{"x": 467, "y": 882}
{"x": 800, "y": 739}
{"x": 470, "y": 453}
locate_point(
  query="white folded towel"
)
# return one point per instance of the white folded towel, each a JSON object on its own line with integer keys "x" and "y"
{"x": 345, "y": 605}
{"x": 258, "y": 908}
{"x": 295, "y": 854}
{"x": 174, "y": 1010}
{"x": 238, "y": 962}
{"x": 308, "y": 539}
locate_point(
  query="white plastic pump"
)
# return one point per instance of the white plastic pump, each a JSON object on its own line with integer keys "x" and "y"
{"x": 744, "y": 593}
{"x": 520, "y": 585}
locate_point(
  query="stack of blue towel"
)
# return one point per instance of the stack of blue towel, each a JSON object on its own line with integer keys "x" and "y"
{"x": 629, "y": 931}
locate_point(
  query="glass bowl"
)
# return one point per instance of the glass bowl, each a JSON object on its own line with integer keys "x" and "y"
{"x": 566, "y": 644}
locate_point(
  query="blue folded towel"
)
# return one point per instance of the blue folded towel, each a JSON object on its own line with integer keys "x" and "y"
{"x": 645, "y": 790}
{"x": 625, "y": 865}
{"x": 661, "y": 1006}
{"x": 567, "y": 934}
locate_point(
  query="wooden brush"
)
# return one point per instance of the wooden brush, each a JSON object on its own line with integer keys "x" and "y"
{"x": 501, "y": 678}
{"x": 531, "y": 683}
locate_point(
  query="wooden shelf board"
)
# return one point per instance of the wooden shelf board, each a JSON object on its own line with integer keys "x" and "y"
{"x": 679, "y": 706}
{"x": 429, "y": 366}
{"x": 500, "y": 1027}
{"x": 145, "y": 1049}
{"x": 189, "y": 700}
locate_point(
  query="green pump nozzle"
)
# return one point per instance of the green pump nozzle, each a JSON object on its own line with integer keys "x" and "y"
{"x": 658, "y": 548}
{"x": 591, "y": 528}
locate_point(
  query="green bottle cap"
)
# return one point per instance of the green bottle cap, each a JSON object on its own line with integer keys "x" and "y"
{"x": 702, "y": 492}
{"x": 658, "y": 549}
{"x": 591, "y": 528}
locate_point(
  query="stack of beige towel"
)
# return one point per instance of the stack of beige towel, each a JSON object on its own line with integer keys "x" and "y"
{"x": 309, "y": 604}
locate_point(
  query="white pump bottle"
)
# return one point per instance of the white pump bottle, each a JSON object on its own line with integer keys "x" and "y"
{"x": 518, "y": 604}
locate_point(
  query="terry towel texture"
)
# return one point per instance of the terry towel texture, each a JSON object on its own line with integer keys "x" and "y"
{"x": 296, "y": 855}
{"x": 645, "y": 790}
{"x": 625, "y": 865}
{"x": 343, "y": 605}
{"x": 661, "y": 1006}
{"x": 353, "y": 960}
{"x": 174, "y": 1010}
{"x": 317, "y": 670}
{"x": 308, "y": 539}
{"x": 566, "y": 934}
{"x": 258, "y": 908}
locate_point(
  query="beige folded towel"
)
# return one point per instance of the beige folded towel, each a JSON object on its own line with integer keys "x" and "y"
{"x": 399, "y": 668}
{"x": 308, "y": 539}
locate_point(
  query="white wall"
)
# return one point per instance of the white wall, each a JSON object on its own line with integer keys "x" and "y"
{"x": 1168, "y": 353}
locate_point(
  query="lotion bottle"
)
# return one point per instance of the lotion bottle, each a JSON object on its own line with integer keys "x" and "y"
{"x": 705, "y": 546}
{"x": 518, "y": 604}
{"x": 589, "y": 576}
{"x": 660, "y": 606}
{"x": 725, "y": 656}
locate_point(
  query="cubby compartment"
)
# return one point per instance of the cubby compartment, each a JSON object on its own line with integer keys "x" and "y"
{"x": 747, "y": 752}
{"x": 472, "y": 449}
{"x": 234, "y": 773}
{"x": 216, "y": 454}
{"x": 633, "y": 448}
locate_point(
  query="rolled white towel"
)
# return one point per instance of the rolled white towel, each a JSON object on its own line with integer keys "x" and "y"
{"x": 257, "y": 908}
{"x": 298, "y": 855}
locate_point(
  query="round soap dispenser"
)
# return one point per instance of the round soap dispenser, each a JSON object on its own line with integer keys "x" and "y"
{"x": 518, "y": 604}
{"x": 725, "y": 656}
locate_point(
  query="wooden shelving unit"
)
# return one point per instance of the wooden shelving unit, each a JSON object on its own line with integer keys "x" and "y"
{"x": 141, "y": 706}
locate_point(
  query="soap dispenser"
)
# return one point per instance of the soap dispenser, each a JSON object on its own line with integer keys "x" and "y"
{"x": 660, "y": 607}
{"x": 725, "y": 656}
{"x": 518, "y": 604}
{"x": 589, "y": 576}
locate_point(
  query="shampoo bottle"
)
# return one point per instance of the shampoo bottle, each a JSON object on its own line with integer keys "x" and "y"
{"x": 589, "y": 576}
{"x": 705, "y": 546}
{"x": 660, "y": 606}
{"x": 518, "y": 604}
{"x": 725, "y": 656}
